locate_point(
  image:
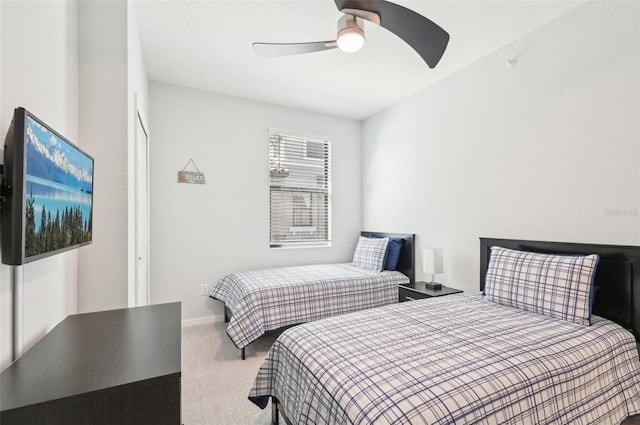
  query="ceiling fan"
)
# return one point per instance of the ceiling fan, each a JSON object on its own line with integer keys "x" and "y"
{"x": 423, "y": 35}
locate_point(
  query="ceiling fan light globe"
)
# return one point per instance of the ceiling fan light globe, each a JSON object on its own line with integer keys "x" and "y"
{"x": 350, "y": 39}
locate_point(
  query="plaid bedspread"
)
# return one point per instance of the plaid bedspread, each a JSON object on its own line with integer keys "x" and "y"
{"x": 457, "y": 359}
{"x": 266, "y": 299}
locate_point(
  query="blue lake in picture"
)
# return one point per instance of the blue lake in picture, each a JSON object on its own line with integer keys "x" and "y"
{"x": 55, "y": 197}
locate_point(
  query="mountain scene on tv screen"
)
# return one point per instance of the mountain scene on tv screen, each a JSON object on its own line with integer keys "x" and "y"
{"x": 58, "y": 192}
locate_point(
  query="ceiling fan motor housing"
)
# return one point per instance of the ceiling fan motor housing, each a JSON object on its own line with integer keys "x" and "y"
{"x": 350, "y": 33}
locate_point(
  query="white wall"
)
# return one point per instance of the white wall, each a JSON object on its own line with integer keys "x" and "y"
{"x": 137, "y": 97}
{"x": 137, "y": 74}
{"x": 103, "y": 266}
{"x": 75, "y": 65}
{"x": 200, "y": 233}
{"x": 39, "y": 71}
{"x": 546, "y": 150}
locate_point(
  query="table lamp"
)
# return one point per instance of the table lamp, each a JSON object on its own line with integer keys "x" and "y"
{"x": 433, "y": 264}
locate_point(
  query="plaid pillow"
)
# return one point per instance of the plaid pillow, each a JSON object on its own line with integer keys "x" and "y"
{"x": 370, "y": 252}
{"x": 558, "y": 286}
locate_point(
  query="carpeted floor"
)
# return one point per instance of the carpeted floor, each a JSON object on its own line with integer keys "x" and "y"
{"x": 215, "y": 382}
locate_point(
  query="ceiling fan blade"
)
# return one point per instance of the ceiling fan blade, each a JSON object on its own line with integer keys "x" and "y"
{"x": 269, "y": 50}
{"x": 422, "y": 34}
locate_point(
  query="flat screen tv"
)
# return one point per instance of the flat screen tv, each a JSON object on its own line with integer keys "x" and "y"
{"x": 48, "y": 186}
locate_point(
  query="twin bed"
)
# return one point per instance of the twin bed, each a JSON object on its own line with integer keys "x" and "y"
{"x": 257, "y": 301}
{"x": 530, "y": 348}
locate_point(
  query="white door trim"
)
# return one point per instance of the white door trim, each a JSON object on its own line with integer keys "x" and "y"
{"x": 142, "y": 288}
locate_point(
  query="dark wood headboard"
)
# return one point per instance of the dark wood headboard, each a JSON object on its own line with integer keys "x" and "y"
{"x": 407, "y": 261}
{"x": 617, "y": 278}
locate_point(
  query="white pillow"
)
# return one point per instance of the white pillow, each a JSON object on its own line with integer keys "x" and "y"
{"x": 369, "y": 253}
{"x": 559, "y": 286}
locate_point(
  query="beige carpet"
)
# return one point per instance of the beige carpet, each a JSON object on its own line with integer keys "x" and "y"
{"x": 215, "y": 382}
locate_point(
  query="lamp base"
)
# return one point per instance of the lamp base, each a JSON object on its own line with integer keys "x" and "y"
{"x": 433, "y": 285}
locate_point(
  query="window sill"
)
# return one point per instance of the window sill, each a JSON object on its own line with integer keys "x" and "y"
{"x": 294, "y": 245}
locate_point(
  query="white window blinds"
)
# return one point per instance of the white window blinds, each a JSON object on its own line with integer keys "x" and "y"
{"x": 299, "y": 191}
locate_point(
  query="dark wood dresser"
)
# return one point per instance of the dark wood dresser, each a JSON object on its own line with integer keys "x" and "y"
{"x": 110, "y": 367}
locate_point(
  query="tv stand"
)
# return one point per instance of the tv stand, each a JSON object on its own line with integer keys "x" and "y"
{"x": 110, "y": 367}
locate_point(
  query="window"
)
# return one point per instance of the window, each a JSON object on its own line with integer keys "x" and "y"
{"x": 299, "y": 191}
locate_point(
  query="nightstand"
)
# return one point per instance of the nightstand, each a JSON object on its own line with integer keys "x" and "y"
{"x": 418, "y": 291}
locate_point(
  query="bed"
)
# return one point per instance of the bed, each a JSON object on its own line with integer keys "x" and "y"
{"x": 469, "y": 358}
{"x": 258, "y": 301}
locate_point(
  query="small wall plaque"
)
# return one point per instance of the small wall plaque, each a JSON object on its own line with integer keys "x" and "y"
{"x": 193, "y": 177}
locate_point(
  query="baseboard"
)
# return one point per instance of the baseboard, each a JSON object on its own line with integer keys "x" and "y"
{"x": 202, "y": 320}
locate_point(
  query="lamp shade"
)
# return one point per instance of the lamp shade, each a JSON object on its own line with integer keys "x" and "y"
{"x": 432, "y": 260}
{"x": 350, "y": 39}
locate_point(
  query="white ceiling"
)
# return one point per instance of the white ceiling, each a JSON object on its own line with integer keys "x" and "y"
{"x": 206, "y": 45}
